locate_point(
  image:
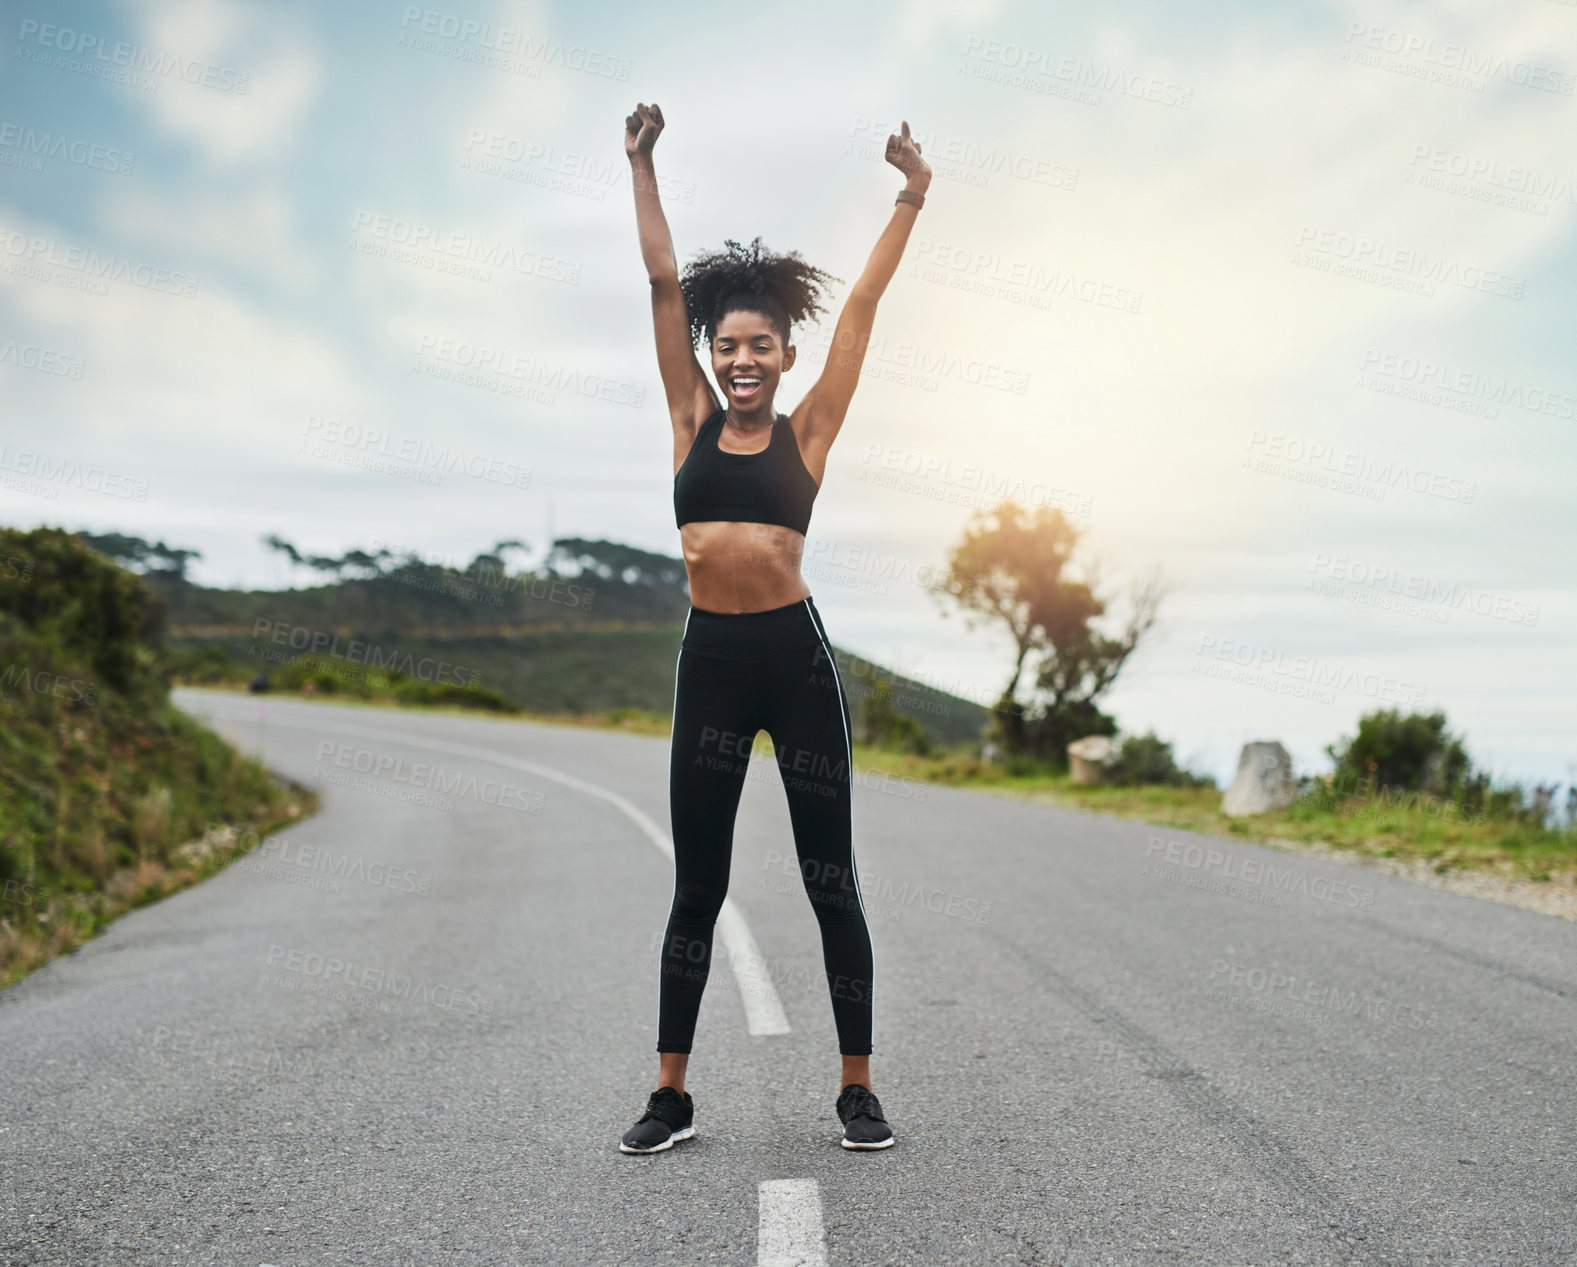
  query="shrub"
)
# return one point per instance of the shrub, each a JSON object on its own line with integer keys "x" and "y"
{"x": 883, "y": 726}
{"x": 1147, "y": 759}
{"x": 1415, "y": 752}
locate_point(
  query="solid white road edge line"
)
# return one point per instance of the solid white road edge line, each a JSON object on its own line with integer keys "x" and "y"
{"x": 763, "y": 1009}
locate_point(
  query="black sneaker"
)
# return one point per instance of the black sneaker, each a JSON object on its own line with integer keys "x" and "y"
{"x": 669, "y": 1116}
{"x": 861, "y": 1115}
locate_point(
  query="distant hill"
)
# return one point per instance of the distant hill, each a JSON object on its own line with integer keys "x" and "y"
{"x": 595, "y": 628}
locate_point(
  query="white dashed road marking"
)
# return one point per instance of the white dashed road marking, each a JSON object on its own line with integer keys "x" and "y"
{"x": 790, "y": 1232}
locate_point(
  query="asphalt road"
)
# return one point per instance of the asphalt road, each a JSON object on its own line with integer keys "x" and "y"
{"x": 413, "y": 1028}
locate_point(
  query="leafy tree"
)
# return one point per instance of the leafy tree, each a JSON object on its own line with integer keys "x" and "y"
{"x": 1415, "y": 752}
{"x": 490, "y": 564}
{"x": 1017, "y": 569}
{"x": 1147, "y": 759}
{"x": 81, "y": 610}
{"x": 317, "y": 562}
{"x": 614, "y": 561}
{"x": 883, "y": 726}
{"x": 137, "y": 555}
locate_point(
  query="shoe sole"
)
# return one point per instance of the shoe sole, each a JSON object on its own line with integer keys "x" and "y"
{"x": 666, "y": 1144}
{"x": 886, "y": 1143}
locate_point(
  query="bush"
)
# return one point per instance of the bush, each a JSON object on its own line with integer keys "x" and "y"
{"x": 1147, "y": 759}
{"x": 102, "y": 780}
{"x": 1414, "y": 752}
{"x": 883, "y": 726}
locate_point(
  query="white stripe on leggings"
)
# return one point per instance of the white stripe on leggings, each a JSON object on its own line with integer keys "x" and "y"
{"x": 849, "y": 746}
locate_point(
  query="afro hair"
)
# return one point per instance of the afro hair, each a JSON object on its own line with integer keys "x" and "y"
{"x": 783, "y": 288}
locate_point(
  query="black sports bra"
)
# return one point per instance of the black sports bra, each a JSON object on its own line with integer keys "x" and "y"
{"x": 768, "y": 487}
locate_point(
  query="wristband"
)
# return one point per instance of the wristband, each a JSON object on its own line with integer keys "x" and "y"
{"x": 908, "y": 195}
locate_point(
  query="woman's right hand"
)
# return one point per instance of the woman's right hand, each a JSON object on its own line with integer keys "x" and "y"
{"x": 641, "y": 129}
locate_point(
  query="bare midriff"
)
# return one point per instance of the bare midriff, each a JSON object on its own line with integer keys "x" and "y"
{"x": 743, "y": 567}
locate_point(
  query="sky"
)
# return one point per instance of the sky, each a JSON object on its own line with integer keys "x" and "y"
{"x": 1275, "y": 300}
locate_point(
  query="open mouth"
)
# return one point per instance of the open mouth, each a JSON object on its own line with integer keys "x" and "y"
{"x": 745, "y": 387}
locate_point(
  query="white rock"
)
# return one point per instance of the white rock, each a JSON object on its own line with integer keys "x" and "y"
{"x": 1263, "y": 782}
{"x": 1090, "y": 758}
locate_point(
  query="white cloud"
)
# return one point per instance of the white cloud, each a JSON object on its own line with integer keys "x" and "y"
{"x": 253, "y": 231}
{"x": 230, "y": 128}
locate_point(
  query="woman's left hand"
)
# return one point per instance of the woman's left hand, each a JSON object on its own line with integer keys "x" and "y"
{"x": 903, "y": 152}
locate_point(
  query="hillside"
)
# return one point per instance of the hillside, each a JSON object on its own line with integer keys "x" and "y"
{"x": 109, "y": 796}
{"x": 595, "y": 630}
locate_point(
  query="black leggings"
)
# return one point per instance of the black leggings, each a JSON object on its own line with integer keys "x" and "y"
{"x": 739, "y": 673}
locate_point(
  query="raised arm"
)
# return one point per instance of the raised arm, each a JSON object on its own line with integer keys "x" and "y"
{"x": 690, "y": 397}
{"x": 828, "y": 400}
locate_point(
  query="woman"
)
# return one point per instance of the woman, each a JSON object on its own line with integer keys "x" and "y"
{"x": 755, "y": 655}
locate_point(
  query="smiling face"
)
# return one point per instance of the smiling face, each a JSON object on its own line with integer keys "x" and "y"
{"x": 748, "y": 358}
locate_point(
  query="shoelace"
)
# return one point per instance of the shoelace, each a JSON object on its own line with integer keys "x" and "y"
{"x": 862, "y": 1103}
{"x": 656, "y": 1105}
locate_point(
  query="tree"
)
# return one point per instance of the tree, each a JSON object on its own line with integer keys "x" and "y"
{"x": 1017, "y": 569}
{"x": 319, "y": 562}
{"x": 490, "y": 566}
{"x": 137, "y": 555}
{"x": 615, "y": 562}
{"x": 883, "y": 726}
{"x": 1415, "y": 752}
{"x": 355, "y": 563}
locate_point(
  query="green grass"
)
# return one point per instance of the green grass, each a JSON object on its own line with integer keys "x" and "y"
{"x": 105, "y": 786}
{"x": 1361, "y": 826}
{"x": 1357, "y": 825}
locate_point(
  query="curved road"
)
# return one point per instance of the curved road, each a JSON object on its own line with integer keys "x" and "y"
{"x": 412, "y": 1029}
